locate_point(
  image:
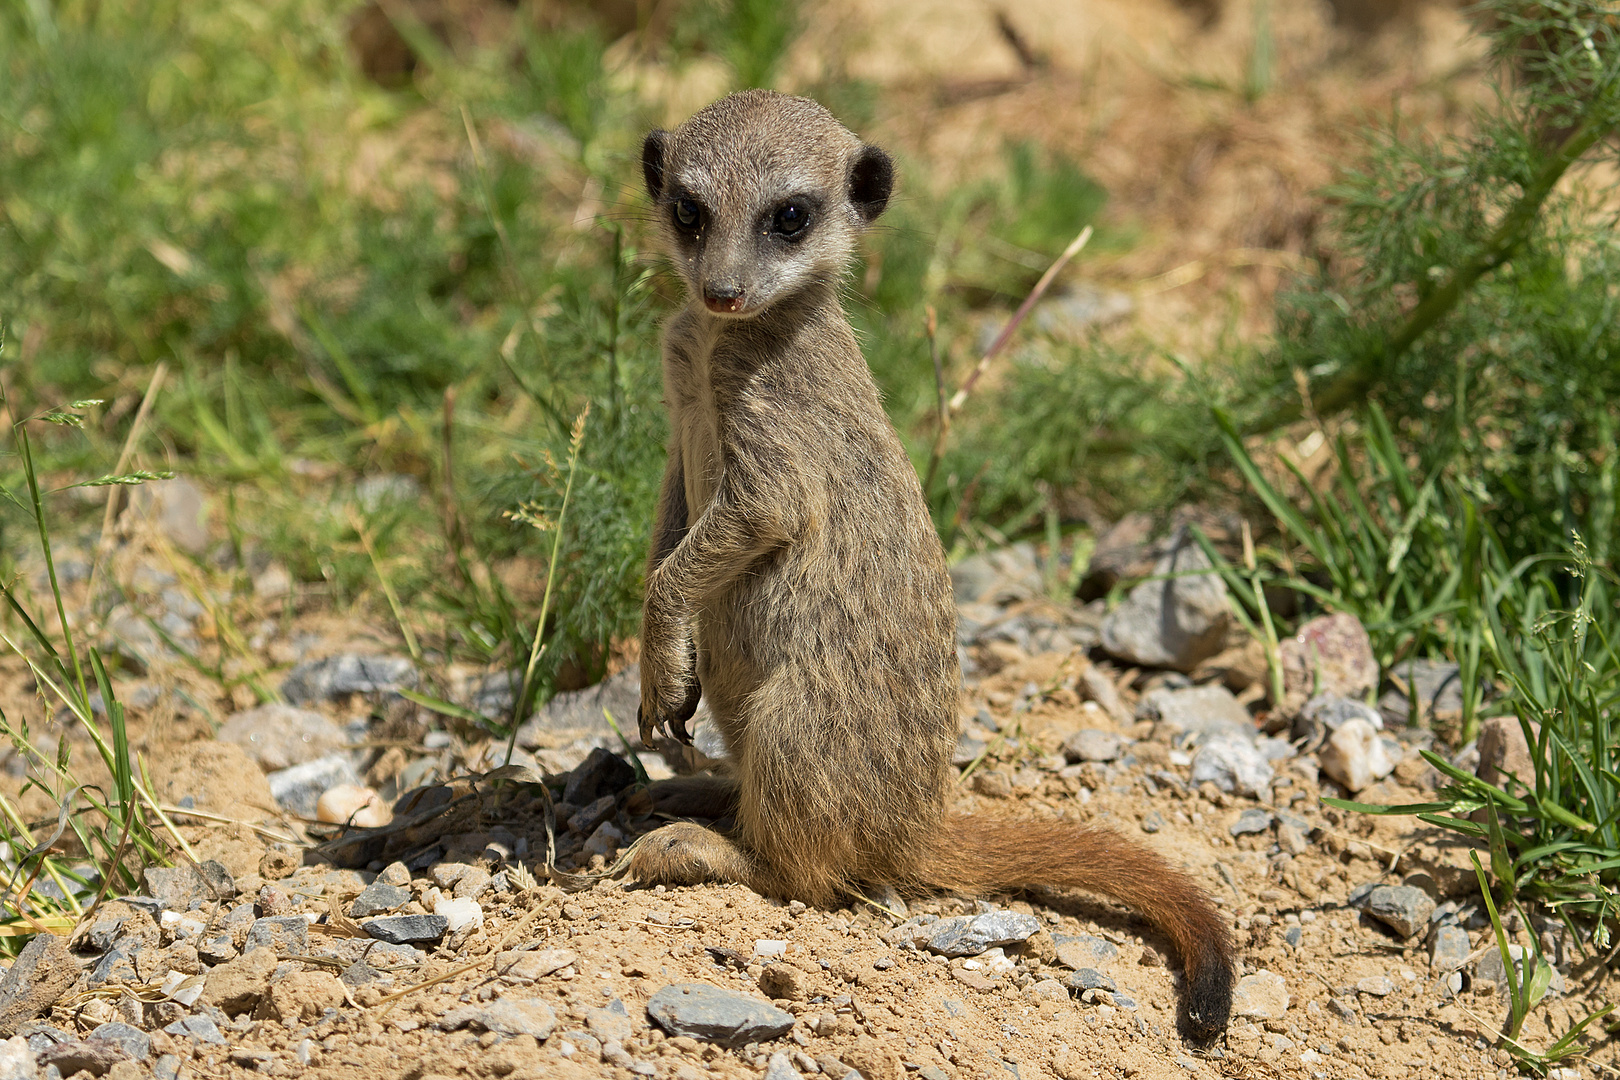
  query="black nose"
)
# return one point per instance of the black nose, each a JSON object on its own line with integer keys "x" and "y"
{"x": 722, "y": 291}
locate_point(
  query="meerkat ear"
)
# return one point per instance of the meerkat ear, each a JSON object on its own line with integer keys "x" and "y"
{"x": 652, "y": 161}
{"x": 871, "y": 179}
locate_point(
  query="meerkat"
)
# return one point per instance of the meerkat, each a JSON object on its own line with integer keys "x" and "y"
{"x": 795, "y": 578}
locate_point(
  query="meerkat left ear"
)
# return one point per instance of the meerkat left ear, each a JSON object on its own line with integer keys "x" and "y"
{"x": 871, "y": 179}
{"x": 652, "y": 161}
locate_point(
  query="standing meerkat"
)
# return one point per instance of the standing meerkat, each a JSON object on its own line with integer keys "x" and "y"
{"x": 796, "y": 579}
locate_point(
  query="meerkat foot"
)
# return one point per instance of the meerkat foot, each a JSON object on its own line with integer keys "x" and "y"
{"x": 687, "y": 854}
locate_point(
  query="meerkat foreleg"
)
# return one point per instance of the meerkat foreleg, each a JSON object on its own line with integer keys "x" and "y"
{"x": 721, "y": 545}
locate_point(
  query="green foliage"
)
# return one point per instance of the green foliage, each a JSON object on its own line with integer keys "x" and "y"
{"x": 1472, "y": 295}
{"x": 751, "y": 36}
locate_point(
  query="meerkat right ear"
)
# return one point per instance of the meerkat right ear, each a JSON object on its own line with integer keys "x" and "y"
{"x": 652, "y": 161}
{"x": 871, "y": 179}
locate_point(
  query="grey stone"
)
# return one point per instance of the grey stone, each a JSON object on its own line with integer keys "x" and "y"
{"x": 180, "y": 509}
{"x": 130, "y": 636}
{"x": 504, "y": 1016}
{"x": 377, "y": 898}
{"x": 999, "y": 577}
{"x": 166, "y": 1067}
{"x": 35, "y": 981}
{"x": 298, "y": 788}
{"x": 318, "y": 680}
{"x": 602, "y": 773}
{"x": 610, "y": 1023}
{"x": 1450, "y": 949}
{"x": 1172, "y": 621}
{"x": 90, "y": 1056}
{"x": 586, "y": 820}
{"x": 723, "y": 1017}
{"x": 1251, "y": 821}
{"x": 1196, "y": 714}
{"x": 1233, "y": 765}
{"x": 1152, "y": 821}
{"x": 1091, "y": 744}
{"x": 199, "y": 1029}
{"x": 1403, "y": 908}
{"x": 1082, "y": 950}
{"x": 180, "y": 888}
{"x": 1294, "y": 935}
{"x": 1437, "y": 685}
{"x": 380, "y": 490}
{"x": 17, "y": 1060}
{"x": 114, "y": 966}
{"x": 970, "y": 935}
{"x": 404, "y": 929}
{"x": 586, "y": 709}
{"x": 1080, "y": 308}
{"x": 216, "y": 949}
{"x": 1376, "y": 986}
{"x": 1095, "y": 685}
{"x": 780, "y": 1068}
{"x": 1324, "y": 714}
{"x": 283, "y": 933}
{"x": 280, "y": 736}
{"x": 1088, "y": 979}
{"x": 967, "y": 750}
{"x": 134, "y": 1042}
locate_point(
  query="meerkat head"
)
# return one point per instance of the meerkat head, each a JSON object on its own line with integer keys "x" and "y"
{"x": 760, "y": 195}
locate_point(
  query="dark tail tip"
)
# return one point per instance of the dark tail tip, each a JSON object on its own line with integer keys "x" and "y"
{"x": 1208, "y": 1004}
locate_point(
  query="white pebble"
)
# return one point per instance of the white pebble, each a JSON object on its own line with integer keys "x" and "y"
{"x": 767, "y": 947}
{"x": 462, "y": 912}
{"x": 353, "y": 804}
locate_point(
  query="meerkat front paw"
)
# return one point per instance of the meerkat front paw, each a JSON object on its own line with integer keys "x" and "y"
{"x": 669, "y": 694}
{"x": 687, "y": 854}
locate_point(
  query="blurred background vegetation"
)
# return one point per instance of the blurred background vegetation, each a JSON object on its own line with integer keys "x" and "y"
{"x": 387, "y": 252}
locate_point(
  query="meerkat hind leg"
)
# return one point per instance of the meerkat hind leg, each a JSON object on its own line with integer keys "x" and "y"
{"x": 688, "y": 854}
{"x": 706, "y": 795}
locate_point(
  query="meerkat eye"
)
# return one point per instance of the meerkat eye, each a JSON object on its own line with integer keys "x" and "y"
{"x": 687, "y": 213}
{"x": 791, "y": 220}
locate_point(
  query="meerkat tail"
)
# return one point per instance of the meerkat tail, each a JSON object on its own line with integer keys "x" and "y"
{"x": 979, "y": 853}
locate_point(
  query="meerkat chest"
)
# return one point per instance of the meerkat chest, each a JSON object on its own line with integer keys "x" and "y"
{"x": 696, "y": 421}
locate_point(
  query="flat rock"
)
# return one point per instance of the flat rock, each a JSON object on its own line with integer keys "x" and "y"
{"x": 1174, "y": 621}
{"x": 1262, "y": 995}
{"x": 780, "y": 1068}
{"x": 320, "y": 680}
{"x": 1087, "y": 978}
{"x": 970, "y": 935}
{"x": 504, "y": 1016}
{"x": 17, "y": 1059}
{"x": 1436, "y": 684}
{"x": 1355, "y": 756}
{"x": 1324, "y": 714}
{"x": 377, "y": 898}
{"x": 283, "y": 933}
{"x": 1251, "y": 821}
{"x": 1000, "y": 577}
{"x": 36, "y": 980}
{"x": 723, "y": 1017}
{"x": 1092, "y": 744}
{"x": 610, "y": 1023}
{"x": 298, "y": 788}
{"x": 1450, "y": 949}
{"x": 1405, "y": 909}
{"x": 1376, "y": 986}
{"x": 280, "y": 736}
{"x": 1234, "y": 765}
{"x": 1082, "y": 950}
{"x": 86, "y": 1054}
{"x": 1198, "y": 713}
{"x": 197, "y": 1028}
{"x": 135, "y": 1043}
{"x": 404, "y": 929}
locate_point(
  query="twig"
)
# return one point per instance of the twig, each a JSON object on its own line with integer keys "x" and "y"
{"x": 115, "y": 492}
{"x": 1006, "y": 334}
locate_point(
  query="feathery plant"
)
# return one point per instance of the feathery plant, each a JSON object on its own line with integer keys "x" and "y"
{"x": 48, "y": 880}
{"x": 1472, "y": 296}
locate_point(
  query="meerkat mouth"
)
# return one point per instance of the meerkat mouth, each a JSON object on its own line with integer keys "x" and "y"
{"x": 727, "y": 305}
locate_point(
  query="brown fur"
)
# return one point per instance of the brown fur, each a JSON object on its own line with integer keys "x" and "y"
{"x": 796, "y": 580}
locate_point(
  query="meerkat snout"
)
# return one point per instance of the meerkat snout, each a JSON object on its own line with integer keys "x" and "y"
{"x": 760, "y": 195}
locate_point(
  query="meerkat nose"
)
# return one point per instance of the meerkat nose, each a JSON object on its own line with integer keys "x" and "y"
{"x": 727, "y": 298}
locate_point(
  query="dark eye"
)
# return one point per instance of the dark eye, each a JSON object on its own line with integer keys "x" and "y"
{"x": 791, "y": 219}
{"x": 687, "y": 213}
